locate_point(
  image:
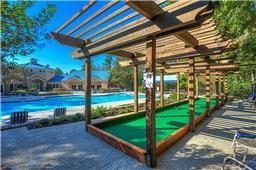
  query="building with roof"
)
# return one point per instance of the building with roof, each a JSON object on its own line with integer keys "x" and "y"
{"x": 75, "y": 80}
{"x": 43, "y": 78}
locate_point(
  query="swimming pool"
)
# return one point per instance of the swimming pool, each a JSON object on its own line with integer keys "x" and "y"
{"x": 51, "y": 102}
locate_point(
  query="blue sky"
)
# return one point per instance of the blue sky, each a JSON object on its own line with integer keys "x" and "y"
{"x": 57, "y": 55}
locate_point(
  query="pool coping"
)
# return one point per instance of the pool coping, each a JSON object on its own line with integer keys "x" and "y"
{"x": 135, "y": 151}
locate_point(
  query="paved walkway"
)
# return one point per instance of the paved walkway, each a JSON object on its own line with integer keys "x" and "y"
{"x": 69, "y": 147}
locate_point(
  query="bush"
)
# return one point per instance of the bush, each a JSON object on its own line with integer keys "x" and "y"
{"x": 141, "y": 89}
{"x": 99, "y": 111}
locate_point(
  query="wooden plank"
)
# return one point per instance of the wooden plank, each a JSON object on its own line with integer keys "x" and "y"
{"x": 132, "y": 150}
{"x": 102, "y": 21}
{"x": 215, "y": 48}
{"x": 196, "y": 83}
{"x": 76, "y": 15}
{"x": 226, "y": 87}
{"x": 222, "y": 88}
{"x": 178, "y": 20}
{"x": 162, "y": 88}
{"x": 88, "y": 92}
{"x": 91, "y": 36}
{"x": 94, "y": 15}
{"x": 217, "y": 90}
{"x": 191, "y": 93}
{"x": 150, "y": 104}
{"x": 68, "y": 40}
{"x": 178, "y": 87}
{"x": 123, "y": 53}
{"x": 188, "y": 38}
{"x": 148, "y": 9}
{"x": 136, "y": 84}
{"x": 207, "y": 89}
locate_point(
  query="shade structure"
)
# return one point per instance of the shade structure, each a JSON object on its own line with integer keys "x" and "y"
{"x": 179, "y": 37}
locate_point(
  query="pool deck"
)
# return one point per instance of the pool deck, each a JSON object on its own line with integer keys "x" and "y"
{"x": 70, "y": 147}
{"x": 36, "y": 116}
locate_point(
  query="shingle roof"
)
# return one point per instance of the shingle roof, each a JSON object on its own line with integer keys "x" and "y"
{"x": 103, "y": 75}
{"x": 39, "y": 66}
{"x": 56, "y": 79}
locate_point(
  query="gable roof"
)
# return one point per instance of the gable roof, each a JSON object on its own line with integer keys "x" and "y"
{"x": 102, "y": 75}
{"x": 38, "y": 66}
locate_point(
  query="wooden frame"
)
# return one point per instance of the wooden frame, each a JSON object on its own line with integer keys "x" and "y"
{"x": 134, "y": 151}
{"x": 182, "y": 30}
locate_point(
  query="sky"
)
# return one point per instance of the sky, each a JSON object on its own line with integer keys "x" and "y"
{"x": 57, "y": 55}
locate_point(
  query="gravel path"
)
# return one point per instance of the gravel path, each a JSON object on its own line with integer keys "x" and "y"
{"x": 69, "y": 147}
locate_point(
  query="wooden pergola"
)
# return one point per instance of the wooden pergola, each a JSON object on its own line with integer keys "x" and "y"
{"x": 177, "y": 38}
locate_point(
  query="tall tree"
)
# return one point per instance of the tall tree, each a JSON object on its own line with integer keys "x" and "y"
{"x": 21, "y": 33}
{"x": 236, "y": 20}
{"x": 58, "y": 71}
{"x": 108, "y": 63}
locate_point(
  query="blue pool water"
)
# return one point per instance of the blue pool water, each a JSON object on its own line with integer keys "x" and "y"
{"x": 49, "y": 103}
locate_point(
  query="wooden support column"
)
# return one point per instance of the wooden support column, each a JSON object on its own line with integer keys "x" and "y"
{"x": 88, "y": 92}
{"x": 207, "y": 89}
{"x": 178, "y": 87}
{"x": 222, "y": 88}
{"x": 196, "y": 85}
{"x": 191, "y": 93}
{"x": 162, "y": 88}
{"x": 217, "y": 90}
{"x": 136, "y": 96}
{"x": 226, "y": 87}
{"x": 150, "y": 104}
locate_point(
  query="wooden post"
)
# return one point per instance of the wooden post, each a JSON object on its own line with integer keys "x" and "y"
{"x": 196, "y": 85}
{"x": 222, "y": 88}
{"x": 217, "y": 89}
{"x": 226, "y": 88}
{"x": 207, "y": 89}
{"x": 191, "y": 93}
{"x": 178, "y": 87}
{"x": 136, "y": 101}
{"x": 88, "y": 92}
{"x": 162, "y": 88}
{"x": 150, "y": 103}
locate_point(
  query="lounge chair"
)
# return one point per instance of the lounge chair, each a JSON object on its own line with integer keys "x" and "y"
{"x": 251, "y": 165}
{"x": 244, "y": 139}
{"x": 250, "y": 100}
{"x": 60, "y": 112}
{"x": 19, "y": 117}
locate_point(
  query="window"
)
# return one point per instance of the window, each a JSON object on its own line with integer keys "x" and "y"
{"x": 40, "y": 71}
{"x": 80, "y": 87}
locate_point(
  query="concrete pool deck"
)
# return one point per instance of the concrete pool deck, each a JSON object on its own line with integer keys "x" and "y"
{"x": 70, "y": 147}
{"x": 36, "y": 116}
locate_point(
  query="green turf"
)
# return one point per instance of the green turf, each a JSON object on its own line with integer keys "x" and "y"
{"x": 168, "y": 120}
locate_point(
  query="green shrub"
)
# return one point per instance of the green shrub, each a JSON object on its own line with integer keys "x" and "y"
{"x": 99, "y": 111}
{"x": 141, "y": 89}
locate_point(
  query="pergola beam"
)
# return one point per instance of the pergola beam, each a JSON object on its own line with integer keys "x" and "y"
{"x": 178, "y": 20}
{"x": 74, "y": 17}
{"x": 148, "y": 9}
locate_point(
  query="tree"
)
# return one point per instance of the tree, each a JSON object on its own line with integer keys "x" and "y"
{"x": 241, "y": 28}
{"x": 21, "y": 33}
{"x": 73, "y": 70}
{"x": 123, "y": 76}
{"x": 108, "y": 63}
{"x": 58, "y": 71}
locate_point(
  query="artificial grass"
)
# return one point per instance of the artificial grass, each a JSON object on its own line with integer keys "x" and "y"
{"x": 168, "y": 120}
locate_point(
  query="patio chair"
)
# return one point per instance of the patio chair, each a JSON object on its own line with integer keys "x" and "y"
{"x": 244, "y": 139}
{"x": 251, "y": 165}
{"x": 19, "y": 117}
{"x": 60, "y": 112}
